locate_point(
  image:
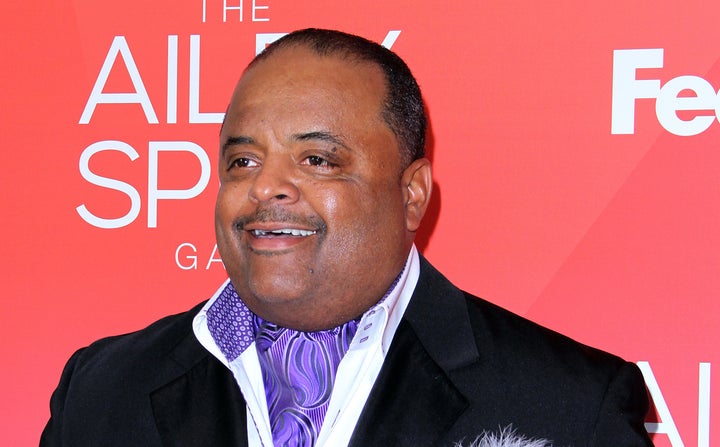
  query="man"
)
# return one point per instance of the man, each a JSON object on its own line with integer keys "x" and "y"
{"x": 332, "y": 330}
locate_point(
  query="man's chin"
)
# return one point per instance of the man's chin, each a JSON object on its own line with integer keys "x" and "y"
{"x": 266, "y": 298}
{"x": 301, "y": 312}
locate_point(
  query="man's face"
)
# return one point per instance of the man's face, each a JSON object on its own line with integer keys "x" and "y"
{"x": 311, "y": 217}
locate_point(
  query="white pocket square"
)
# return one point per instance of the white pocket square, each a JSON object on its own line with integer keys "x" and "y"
{"x": 505, "y": 438}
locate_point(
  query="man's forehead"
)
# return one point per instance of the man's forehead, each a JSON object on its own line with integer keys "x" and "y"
{"x": 295, "y": 90}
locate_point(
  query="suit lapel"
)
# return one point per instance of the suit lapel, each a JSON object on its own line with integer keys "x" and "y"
{"x": 201, "y": 407}
{"x": 414, "y": 400}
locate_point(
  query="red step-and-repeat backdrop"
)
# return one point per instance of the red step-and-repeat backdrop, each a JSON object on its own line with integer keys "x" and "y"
{"x": 575, "y": 152}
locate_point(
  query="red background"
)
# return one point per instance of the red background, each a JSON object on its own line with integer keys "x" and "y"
{"x": 611, "y": 239}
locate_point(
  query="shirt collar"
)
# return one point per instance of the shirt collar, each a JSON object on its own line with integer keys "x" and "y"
{"x": 379, "y": 323}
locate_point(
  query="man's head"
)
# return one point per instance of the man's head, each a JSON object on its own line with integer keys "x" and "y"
{"x": 322, "y": 184}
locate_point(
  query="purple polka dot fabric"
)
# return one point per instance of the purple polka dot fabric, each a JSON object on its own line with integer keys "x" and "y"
{"x": 230, "y": 323}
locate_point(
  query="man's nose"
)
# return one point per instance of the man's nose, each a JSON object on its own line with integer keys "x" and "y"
{"x": 275, "y": 181}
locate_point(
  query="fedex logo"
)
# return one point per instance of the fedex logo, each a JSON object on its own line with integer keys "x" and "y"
{"x": 683, "y": 93}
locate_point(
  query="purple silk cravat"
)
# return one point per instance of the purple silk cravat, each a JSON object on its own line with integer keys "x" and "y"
{"x": 299, "y": 371}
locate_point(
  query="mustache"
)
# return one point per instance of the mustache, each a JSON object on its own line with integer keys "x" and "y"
{"x": 280, "y": 215}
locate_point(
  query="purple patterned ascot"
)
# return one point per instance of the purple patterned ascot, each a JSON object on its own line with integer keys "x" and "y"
{"x": 299, "y": 371}
{"x": 298, "y": 368}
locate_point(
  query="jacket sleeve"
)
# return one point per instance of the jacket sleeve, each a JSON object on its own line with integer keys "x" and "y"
{"x": 621, "y": 421}
{"x": 52, "y": 434}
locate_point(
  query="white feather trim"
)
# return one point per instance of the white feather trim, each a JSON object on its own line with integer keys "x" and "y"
{"x": 506, "y": 438}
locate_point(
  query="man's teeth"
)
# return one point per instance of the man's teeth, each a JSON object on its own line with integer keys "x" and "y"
{"x": 290, "y": 231}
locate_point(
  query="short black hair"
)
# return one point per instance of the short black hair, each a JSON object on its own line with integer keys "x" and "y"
{"x": 403, "y": 111}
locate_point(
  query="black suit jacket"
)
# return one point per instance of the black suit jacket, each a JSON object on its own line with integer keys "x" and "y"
{"x": 457, "y": 366}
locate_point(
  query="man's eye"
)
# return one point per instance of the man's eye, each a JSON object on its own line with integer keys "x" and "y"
{"x": 243, "y": 162}
{"x": 315, "y": 160}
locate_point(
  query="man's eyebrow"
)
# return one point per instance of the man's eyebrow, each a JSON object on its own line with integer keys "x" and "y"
{"x": 322, "y": 136}
{"x": 239, "y": 140}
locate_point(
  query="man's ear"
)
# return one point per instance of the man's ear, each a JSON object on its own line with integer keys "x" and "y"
{"x": 417, "y": 186}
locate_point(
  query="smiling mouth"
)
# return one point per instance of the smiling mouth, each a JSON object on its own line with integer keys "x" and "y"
{"x": 292, "y": 232}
